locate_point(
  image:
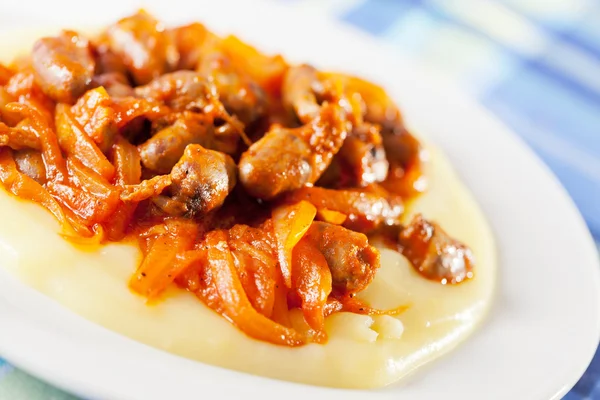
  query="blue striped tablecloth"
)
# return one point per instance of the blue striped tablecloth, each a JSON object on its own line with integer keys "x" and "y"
{"x": 534, "y": 63}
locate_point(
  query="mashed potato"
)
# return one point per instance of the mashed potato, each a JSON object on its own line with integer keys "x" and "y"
{"x": 362, "y": 352}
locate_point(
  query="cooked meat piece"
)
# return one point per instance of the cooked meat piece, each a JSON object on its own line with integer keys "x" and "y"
{"x": 145, "y": 48}
{"x": 115, "y": 83}
{"x": 362, "y": 159}
{"x": 434, "y": 254}
{"x": 352, "y": 261}
{"x": 405, "y": 155}
{"x": 298, "y": 92}
{"x": 366, "y": 154}
{"x": 239, "y": 94}
{"x": 162, "y": 151}
{"x": 288, "y": 159}
{"x": 181, "y": 90}
{"x": 401, "y": 148}
{"x": 107, "y": 62}
{"x": 277, "y": 163}
{"x": 202, "y": 179}
{"x": 31, "y": 163}
{"x": 63, "y": 66}
{"x": 404, "y": 152}
{"x": 95, "y": 114}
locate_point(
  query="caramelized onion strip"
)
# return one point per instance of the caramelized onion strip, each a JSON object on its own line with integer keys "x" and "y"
{"x": 235, "y": 304}
{"x": 161, "y": 266}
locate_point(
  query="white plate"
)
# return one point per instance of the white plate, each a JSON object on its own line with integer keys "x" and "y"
{"x": 545, "y": 323}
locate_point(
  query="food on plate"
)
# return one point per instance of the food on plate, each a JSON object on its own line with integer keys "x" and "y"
{"x": 199, "y": 196}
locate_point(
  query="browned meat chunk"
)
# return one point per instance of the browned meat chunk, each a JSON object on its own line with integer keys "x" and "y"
{"x": 31, "y": 163}
{"x": 279, "y": 162}
{"x": 239, "y": 94}
{"x": 162, "y": 151}
{"x": 401, "y": 148}
{"x": 362, "y": 159}
{"x": 434, "y": 254}
{"x": 365, "y": 152}
{"x": 298, "y": 93}
{"x": 202, "y": 179}
{"x": 145, "y": 48}
{"x": 405, "y": 155}
{"x": 181, "y": 90}
{"x": 352, "y": 261}
{"x": 63, "y": 66}
{"x": 115, "y": 83}
{"x": 107, "y": 62}
{"x": 288, "y": 159}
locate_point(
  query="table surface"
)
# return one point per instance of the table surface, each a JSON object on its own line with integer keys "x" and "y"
{"x": 535, "y": 64}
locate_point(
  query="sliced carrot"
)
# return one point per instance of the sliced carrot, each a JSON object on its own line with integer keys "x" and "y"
{"x": 23, "y": 88}
{"x": 96, "y": 186}
{"x": 26, "y": 188}
{"x": 290, "y": 223}
{"x": 311, "y": 280}
{"x": 373, "y": 95}
{"x": 127, "y": 161}
{"x": 128, "y": 171}
{"x": 116, "y": 227}
{"x": 87, "y": 194}
{"x": 331, "y": 216}
{"x": 56, "y": 167}
{"x": 94, "y": 113}
{"x": 76, "y": 143}
{"x": 160, "y": 266}
{"x": 281, "y": 313}
{"x": 267, "y": 71}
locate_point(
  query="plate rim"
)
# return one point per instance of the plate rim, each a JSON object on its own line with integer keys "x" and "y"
{"x": 49, "y": 375}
